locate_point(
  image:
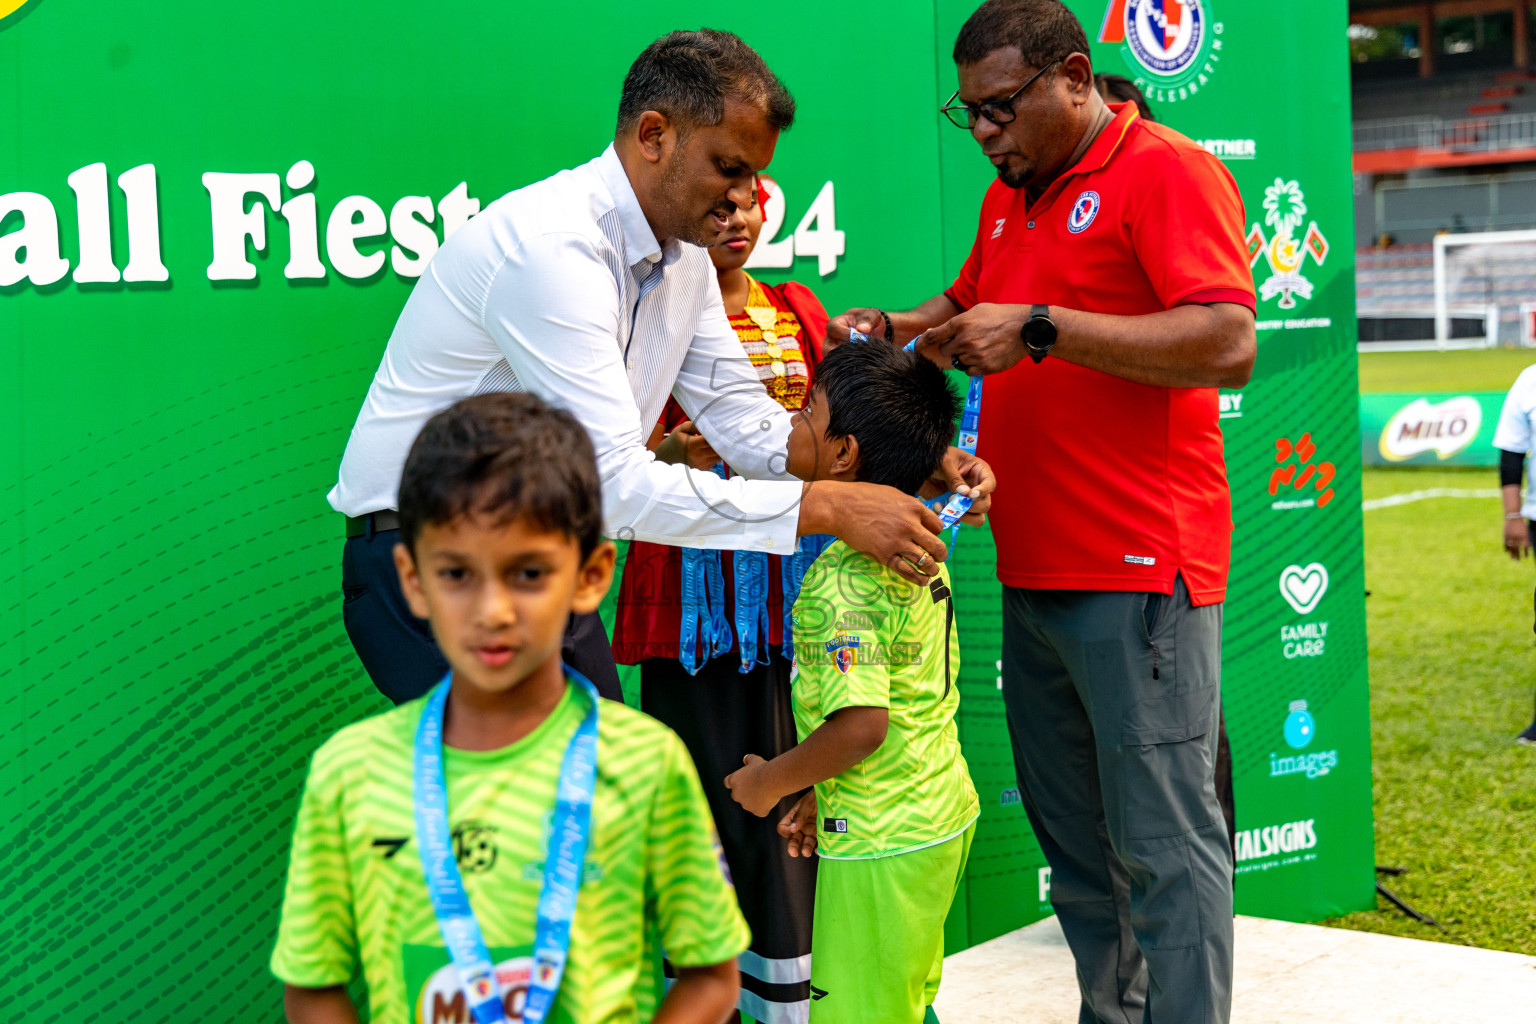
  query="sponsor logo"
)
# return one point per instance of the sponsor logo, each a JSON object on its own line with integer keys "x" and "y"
{"x": 844, "y": 648}
{"x": 1231, "y": 149}
{"x": 1083, "y": 212}
{"x": 1259, "y": 849}
{"x": 1300, "y": 729}
{"x": 474, "y": 844}
{"x": 1303, "y": 586}
{"x": 1300, "y": 474}
{"x": 1444, "y": 428}
{"x": 1304, "y": 640}
{"x": 834, "y": 825}
{"x": 1172, "y": 46}
{"x": 1009, "y": 797}
{"x": 1045, "y": 884}
{"x": 1285, "y": 210}
{"x": 442, "y": 999}
{"x": 1231, "y": 406}
{"x": 1140, "y": 560}
{"x": 390, "y": 847}
{"x": 997, "y": 232}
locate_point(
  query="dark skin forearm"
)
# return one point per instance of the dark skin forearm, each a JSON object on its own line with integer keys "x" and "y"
{"x": 907, "y": 324}
{"x": 701, "y": 995}
{"x": 848, "y": 736}
{"x": 318, "y": 1005}
{"x": 1194, "y": 346}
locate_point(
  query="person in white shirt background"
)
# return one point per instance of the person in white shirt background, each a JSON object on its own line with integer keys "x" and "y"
{"x": 591, "y": 289}
{"x": 1513, "y": 438}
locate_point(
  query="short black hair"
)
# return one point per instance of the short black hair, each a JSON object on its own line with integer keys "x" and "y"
{"x": 1124, "y": 91}
{"x": 896, "y": 403}
{"x": 506, "y": 455}
{"x": 1041, "y": 30}
{"x": 688, "y": 75}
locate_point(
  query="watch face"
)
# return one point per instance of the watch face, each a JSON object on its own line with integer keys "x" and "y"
{"x": 1040, "y": 333}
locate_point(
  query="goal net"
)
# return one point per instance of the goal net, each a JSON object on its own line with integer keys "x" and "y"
{"x": 1494, "y": 270}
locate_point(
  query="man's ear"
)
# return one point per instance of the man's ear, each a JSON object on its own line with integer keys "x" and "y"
{"x": 1078, "y": 72}
{"x": 654, "y": 136}
{"x": 410, "y": 582}
{"x": 594, "y": 578}
{"x": 845, "y": 458}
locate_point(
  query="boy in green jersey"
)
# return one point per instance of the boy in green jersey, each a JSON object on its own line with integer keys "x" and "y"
{"x": 893, "y": 808}
{"x": 500, "y": 516}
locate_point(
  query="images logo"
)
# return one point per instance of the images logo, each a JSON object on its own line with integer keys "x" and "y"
{"x": 1299, "y": 732}
{"x": 1301, "y": 473}
{"x": 1303, "y": 586}
{"x": 1174, "y": 42}
{"x": 1285, "y": 210}
{"x": 1444, "y": 428}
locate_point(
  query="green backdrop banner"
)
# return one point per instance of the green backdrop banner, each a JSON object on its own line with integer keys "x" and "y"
{"x": 1430, "y": 428}
{"x": 209, "y": 221}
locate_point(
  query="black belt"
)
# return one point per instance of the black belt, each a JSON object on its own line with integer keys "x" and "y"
{"x": 373, "y": 522}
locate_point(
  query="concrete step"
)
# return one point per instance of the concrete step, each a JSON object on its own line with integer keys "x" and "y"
{"x": 1286, "y": 974}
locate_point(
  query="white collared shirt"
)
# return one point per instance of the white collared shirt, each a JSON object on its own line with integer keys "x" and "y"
{"x": 1516, "y": 431}
{"x": 561, "y": 289}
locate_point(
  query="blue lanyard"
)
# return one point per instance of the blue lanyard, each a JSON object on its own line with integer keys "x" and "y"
{"x": 750, "y": 569}
{"x": 703, "y": 601}
{"x": 952, "y": 506}
{"x": 793, "y": 570}
{"x": 569, "y": 833}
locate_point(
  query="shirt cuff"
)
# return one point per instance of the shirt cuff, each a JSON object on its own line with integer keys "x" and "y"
{"x": 1235, "y": 296}
{"x": 949, "y": 293}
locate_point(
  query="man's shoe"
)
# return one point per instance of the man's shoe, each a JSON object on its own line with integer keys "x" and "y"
{"x": 1527, "y": 738}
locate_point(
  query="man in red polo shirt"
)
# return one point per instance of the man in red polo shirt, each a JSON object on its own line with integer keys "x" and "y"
{"x": 1107, "y": 296}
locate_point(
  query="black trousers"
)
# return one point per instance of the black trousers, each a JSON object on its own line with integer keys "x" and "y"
{"x": 722, "y": 715}
{"x": 397, "y": 649}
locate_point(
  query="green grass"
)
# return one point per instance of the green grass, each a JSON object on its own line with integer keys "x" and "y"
{"x": 1493, "y": 369}
{"x": 1453, "y": 671}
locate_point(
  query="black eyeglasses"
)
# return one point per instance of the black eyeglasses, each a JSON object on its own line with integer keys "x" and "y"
{"x": 965, "y": 115}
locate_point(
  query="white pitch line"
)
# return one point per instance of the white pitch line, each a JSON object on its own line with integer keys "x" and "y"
{"x": 1434, "y": 492}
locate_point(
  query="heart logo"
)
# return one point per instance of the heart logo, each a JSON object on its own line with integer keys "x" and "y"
{"x": 1303, "y": 586}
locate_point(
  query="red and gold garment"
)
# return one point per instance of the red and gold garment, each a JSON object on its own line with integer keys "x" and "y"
{"x": 782, "y": 329}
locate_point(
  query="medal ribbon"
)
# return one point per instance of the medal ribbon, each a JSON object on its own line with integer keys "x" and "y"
{"x": 570, "y": 830}
{"x": 750, "y": 569}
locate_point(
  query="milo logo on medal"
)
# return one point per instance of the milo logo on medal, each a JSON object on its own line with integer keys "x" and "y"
{"x": 1172, "y": 47}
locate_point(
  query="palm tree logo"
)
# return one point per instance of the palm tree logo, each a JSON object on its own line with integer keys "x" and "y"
{"x": 1285, "y": 210}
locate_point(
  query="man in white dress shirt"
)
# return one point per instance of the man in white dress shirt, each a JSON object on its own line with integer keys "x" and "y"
{"x": 591, "y": 289}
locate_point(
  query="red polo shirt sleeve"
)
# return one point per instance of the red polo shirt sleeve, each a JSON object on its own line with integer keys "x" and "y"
{"x": 994, "y": 208}
{"x": 1186, "y": 228}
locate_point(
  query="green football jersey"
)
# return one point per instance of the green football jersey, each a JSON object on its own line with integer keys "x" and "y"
{"x": 865, "y": 637}
{"x": 356, "y": 893}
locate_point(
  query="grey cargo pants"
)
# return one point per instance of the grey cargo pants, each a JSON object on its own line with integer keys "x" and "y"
{"x": 1113, "y": 701}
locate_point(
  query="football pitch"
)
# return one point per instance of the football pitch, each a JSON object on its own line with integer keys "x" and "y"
{"x": 1453, "y": 674}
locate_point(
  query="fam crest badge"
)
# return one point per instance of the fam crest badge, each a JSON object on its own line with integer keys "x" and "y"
{"x": 844, "y": 648}
{"x": 1285, "y": 210}
{"x": 1170, "y": 46}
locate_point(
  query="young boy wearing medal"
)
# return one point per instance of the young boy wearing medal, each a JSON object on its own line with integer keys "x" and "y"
{"x": 440, "y": 846}
{"x": 893, "y": 809}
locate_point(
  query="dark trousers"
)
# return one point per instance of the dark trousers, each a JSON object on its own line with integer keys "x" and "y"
{"x": 1113, "y": 703}
{"x": 397, "y": 649}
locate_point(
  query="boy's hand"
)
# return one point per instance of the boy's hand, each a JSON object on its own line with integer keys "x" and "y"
{"x": 799, "y": 826}
{"x": 686, "y": 445}
{"x": 865, "y": 321}
{"x": 749, "y": 786}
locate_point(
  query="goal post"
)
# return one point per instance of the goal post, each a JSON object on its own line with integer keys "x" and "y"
{"x": 1496, "y": 269}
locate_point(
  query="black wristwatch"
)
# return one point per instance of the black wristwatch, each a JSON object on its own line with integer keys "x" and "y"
{"x": 1038, "y": 333}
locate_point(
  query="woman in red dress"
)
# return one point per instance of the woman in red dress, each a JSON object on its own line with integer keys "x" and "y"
{"x": 709, "y": 631}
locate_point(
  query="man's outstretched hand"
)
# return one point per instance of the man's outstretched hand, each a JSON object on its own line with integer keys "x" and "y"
{"x": 893, "y": 528}
{"x": 865, "y": 321}
{"x": 964, "y": 473}
{"x": 983, "y": 339}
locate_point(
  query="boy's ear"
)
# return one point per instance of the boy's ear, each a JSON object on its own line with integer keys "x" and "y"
{"x": 594, "y": 578}
{"x": 410, "y": 582}
{"x": 845, "y": 458}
